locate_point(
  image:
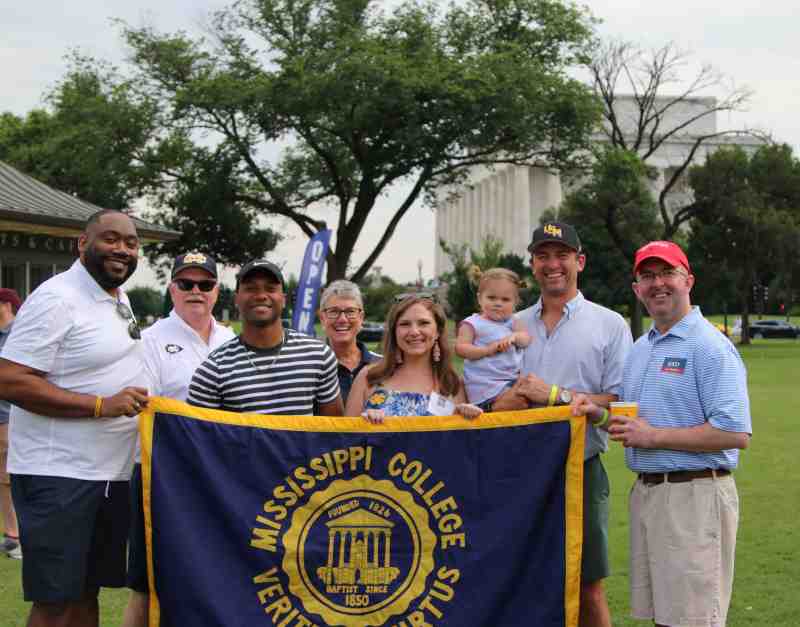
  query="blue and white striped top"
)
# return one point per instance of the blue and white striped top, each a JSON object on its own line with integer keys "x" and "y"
{"x": 690, "y": 375}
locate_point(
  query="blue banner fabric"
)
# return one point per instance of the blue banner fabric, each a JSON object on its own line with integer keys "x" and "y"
{"x": 305, "y": 305}
{"x": 302, "y": 520}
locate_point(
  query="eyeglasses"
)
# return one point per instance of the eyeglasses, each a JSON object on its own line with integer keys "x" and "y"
{"x": 399, "y": 298}
{"x": 126, "y": 314}
{"x": 332, "y": 313}
{"x": 667, "y": 274}
{"x": 187, "y": 285}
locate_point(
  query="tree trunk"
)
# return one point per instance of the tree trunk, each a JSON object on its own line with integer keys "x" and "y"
{"x": 745, "y": 339}
{"x": 637, "y": 322}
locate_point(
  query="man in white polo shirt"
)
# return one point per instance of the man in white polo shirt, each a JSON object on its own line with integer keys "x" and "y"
{"x": 173, "y": 348}
{"x": 72, "y": 369}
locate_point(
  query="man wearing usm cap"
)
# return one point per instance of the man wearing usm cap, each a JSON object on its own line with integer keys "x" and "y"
{"x": 694, "y": 416}
{"x": 173, "y": 349}
{"x": 267, "y": 369}
{"x": 578, "y": 346}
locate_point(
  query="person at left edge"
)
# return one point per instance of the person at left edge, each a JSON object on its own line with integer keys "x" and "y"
{"x": 72, "y": 369}
{"x": 173, "y": 349}
{"x": 267, "y": 369}
{"x": 9, "y": 306}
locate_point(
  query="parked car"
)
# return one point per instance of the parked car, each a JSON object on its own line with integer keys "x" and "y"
{"x": 772, "y": 328}
{"x": 371, "y": 332}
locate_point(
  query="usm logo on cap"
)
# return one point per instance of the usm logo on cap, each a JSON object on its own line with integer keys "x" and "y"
{"x": 195, "y": 258}
{"x": 552, "y": 229}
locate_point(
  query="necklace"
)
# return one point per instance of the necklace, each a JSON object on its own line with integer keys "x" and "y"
{"x": 274, "y": 359}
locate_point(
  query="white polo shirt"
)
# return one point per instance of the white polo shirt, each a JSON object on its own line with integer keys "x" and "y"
{"x": 172, "y": 352}
{"x": 70, "y": 329}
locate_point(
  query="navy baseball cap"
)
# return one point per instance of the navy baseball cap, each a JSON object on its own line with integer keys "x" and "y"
{"x": 560, "y": 232}
{"x": 195, "y": 260}
{"x": 260, "y": 265}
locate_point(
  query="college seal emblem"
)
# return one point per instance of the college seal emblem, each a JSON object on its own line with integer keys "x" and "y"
{"x": 359, "y": 552}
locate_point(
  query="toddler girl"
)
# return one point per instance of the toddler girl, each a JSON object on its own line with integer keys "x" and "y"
{"x": 490, "y": 341}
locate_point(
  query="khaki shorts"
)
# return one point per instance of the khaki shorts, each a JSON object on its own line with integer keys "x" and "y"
{"x": 683, "y": 540}
{"x": 4, "y": 454}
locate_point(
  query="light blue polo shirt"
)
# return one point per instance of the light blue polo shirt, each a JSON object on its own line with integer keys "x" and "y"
{"x": 585, "y": 352}
{"x": 690, "y": 375}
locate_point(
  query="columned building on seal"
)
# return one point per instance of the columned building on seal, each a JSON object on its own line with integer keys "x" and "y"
{"x": 39, "y": 229}
{"x": 507, "y": 201}
{"x": 359, "y": 550}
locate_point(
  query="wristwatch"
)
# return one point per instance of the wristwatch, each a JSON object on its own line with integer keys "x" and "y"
{"x": 564, "y": 396}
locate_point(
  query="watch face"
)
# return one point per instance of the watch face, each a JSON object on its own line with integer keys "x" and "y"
{"x": 566, "y": 397}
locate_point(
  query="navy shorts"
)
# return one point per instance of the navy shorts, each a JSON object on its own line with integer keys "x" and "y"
{"x": 74, "y": 534}
{"x": 137, "y": 548}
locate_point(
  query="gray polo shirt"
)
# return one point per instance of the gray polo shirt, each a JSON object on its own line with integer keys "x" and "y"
{"x": 585, "y": 353}
{"x": 5, "y": 406}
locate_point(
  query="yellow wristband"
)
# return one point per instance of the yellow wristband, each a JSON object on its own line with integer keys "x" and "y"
{"x": 98, "y": 406}
{"x": 603, "y": 420}
{"x": 553, "y": 394}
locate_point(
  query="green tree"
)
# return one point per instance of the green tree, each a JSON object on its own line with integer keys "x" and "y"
{"x": 361, "y": 98}
{"x": 615, "y": 214}
{"x": 107, "y": 142}
{"x": 146, "y": 301}
{"x": 90, "y": 139}
{"x": 746, "y": 229}
{"x": 462, "y": 287}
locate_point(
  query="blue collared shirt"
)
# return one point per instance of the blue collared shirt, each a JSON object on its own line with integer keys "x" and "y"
{"x": 585, "y": 353}
{"x": 688, "y": 376}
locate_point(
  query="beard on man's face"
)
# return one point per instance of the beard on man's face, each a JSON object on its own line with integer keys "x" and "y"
{"x": 107, "y": 278}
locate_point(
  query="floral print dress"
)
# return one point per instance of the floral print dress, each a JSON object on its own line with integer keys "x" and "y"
{"x": 394, "y": 403}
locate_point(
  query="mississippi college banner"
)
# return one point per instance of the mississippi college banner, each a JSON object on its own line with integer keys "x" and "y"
{"x": 423, "y": 521}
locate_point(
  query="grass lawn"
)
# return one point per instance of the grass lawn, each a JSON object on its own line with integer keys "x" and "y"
{"x": 769, "y": 491}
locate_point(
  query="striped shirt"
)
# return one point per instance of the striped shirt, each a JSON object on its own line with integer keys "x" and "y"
{"x": 285, "y": 380}
{"x": 690, "y": 375}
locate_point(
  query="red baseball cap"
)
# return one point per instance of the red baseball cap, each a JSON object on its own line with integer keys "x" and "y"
{"x": 10, "y": 296}
{"x": 669, "y": 252}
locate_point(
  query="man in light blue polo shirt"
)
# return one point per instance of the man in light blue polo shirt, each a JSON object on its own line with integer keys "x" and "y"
{"x": 577, "y": 347}
{"x": 694, "y": 416}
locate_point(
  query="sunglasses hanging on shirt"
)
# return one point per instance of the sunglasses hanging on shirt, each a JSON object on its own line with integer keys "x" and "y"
{"x": 126, "y": 314}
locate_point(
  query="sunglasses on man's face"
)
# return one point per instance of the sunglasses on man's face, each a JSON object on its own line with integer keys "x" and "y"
{"x": 187, "y": 285}
{"x": 126, "y": 314}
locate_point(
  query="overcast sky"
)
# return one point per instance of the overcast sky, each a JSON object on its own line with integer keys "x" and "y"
{"x": 753, "y": 43}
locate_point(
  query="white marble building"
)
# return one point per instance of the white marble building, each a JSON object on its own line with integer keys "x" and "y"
{"x": 508, "y": 201}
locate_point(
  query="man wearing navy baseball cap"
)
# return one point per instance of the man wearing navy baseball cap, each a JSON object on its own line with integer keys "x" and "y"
{"x": 265, "y": 357}
{"x": 693, "y": 418}
{"x": 578, "y": 346}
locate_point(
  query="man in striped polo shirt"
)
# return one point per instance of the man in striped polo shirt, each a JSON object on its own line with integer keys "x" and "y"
{"x": 267, "y": 369}
{"x": 694, "y": 416}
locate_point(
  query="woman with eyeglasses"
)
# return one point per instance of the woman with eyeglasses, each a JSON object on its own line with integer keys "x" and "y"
{"x": 341, "y": 313}
{"x": 415, "y": 377}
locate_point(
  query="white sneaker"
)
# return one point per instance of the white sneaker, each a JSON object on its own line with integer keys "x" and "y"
{"x": 15, "y": 553}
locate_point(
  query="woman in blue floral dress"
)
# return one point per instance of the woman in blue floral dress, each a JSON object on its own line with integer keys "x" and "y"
{"x": 416, "y": 362}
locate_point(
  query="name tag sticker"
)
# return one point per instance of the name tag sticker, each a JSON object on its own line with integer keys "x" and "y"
{"x": 440, "y": 406}
{"x": 675, "y": 365}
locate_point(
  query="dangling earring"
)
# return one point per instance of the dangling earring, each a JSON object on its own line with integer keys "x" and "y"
{"x": 399, "y": 358}
{"x": 437, "y": 353}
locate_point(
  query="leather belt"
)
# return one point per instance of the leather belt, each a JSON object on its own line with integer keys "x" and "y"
{"x": 681, "y": 476}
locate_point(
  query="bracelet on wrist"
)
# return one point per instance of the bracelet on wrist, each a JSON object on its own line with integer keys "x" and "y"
{"x": 98, "y": 406}
{"x": 553, "y": 395}
{"x": 603, "y": 420}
